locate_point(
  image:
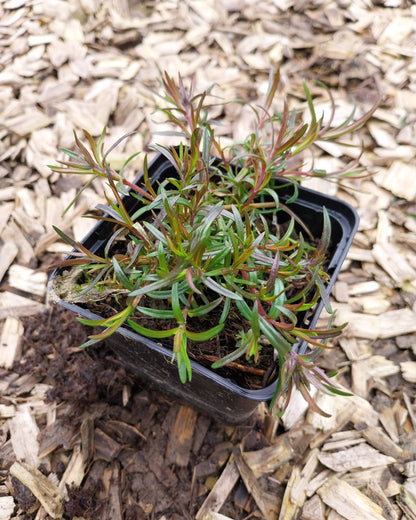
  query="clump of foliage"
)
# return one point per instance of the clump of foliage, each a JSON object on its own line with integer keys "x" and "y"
{"x": 207, "y": 240}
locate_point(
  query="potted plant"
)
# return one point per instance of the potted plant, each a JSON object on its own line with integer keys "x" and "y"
{"x": 209, "y": 272}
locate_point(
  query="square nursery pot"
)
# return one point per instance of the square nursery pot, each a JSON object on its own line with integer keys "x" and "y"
{"x": 207, "y": 391}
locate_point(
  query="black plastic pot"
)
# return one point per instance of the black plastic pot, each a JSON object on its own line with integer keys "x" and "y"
{"x": 209, "y": 392}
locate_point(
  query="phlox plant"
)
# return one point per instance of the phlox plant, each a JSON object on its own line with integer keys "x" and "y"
{"x": 207, "y": 243}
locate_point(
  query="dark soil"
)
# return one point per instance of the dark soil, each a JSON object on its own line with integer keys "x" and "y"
{"x": 132, "y": 428}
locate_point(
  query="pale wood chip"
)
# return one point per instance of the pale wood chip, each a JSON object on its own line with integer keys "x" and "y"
{"x": 360, "y": 456}
{"x": 266, "y": 502}
{"x": 336, "y": 49}
{"x": 85, "y": 114}
{"x": 399, "y": 28}
{"x": 75, "y": 470}
{"x": 207, "y": 12}
{"x": 343, "y": 410}
{"x": 410, "y": 469}
{"x": 298, "y": 488}
{"x": 12, "y": 233}
{"x": 288, "y": 509}
{"x": 32, "y": 119}
{"x": 349, "y": 501}
{"x": 31, "y": 227}
{"x": 397, "y": 322}
{"x": 360, "y": 254}
{"x": 386, "y": 325}
{"x": 10, "y": 342}
{"x": 55, "y": 92}
{"x": 44, "y": 490}
{"x": 407, "y": 500}
{"x": 7, "y": 411}
{"x": 355, "y": 349}
{"x": 8, "y": 252}
{"x": 313, "y": 509}
{"x": 296, "y": 408}
{"x": 382, "y": 135}
{"x": 6, "y": 507}
{"x": 394, "y": 263}
{"x": 343, "y": 439}
{"x": 380, "y": 441}
{"x": 410, "y": 410}
{"x": 363, "y": 288}
{"x": 404, "y": 153}
{"x": 212, "y": 515}
{"x": 374, "y": 491}
{"x": 12, "y": 304}
{"x": 358, "y": 478}
{"x": 374, "y": 304}
{"x": 219, "y": 493}
{"x": 28, "y": 280}
{"x": 399, "y": 179}
{"x": 6, "y": 194}
{"x": 408, "y": 369}
{"x": 23, "y": 434}
{"x": 14, "y": 16}
{"x": 374, "y": 367}
{"x": 114, "y": 507}
{"x": 340, "y": 291}
{"x": 270, "y": 458}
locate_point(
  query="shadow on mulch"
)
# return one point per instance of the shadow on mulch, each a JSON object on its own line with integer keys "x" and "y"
{"x": 131, "y": 471}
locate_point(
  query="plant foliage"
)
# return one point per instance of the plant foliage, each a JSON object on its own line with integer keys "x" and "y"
{"x": 207, "y": 241}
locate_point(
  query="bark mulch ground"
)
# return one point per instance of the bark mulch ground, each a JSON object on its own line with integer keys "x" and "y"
{"x": 80, "y": 437}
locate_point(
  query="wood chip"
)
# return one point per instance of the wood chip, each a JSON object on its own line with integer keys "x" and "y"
{"x": 14, "y": 305}
{"x": 220, "y": 491}
{"x": 360, "y": 254}
{"x": 10, "y": 342}
{"x": 407, "y": 502}
{"x": 364, "y": 288}
{"x": 267, "y": 503}
{"x": 106, "y": 448}
{"x": 212, "y": 515}
{"x": 380, "y": 441}
{"x": 270, "y": 458}
{"x": 361, "y": 456}
{"x": 395, "y": 264}
{"x": 6, "y": 507}
{"x": 12, "y": 233}
{"x": 23, "y": 433}
{"x": 355, "y": 349}
{"x": 75, "y": 470}
{"x": 349, "y": 502}
{"x": 8, "y": 253}
{"x": 298, "y": 489}
{"x": 386, "y": 325}
{"x": 32, "y": 119}
{"x": 313, "y": 509}
{"x": 5, "y": 211}
{"x": 181, "y": 437}
{"x": 58, "y": 433}
{"x": 399, "y": 179}
{"x": 375, "y": 367}
{"x": 342, "y": 439}
{"x": 289, "y": 510}
{"x": 28, "y": 280}
{"x": 44, "y": 490}
{"x": 408, "y": 369}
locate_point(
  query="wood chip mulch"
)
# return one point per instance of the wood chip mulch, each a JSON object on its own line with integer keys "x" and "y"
{"x": 81, "y": 438}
